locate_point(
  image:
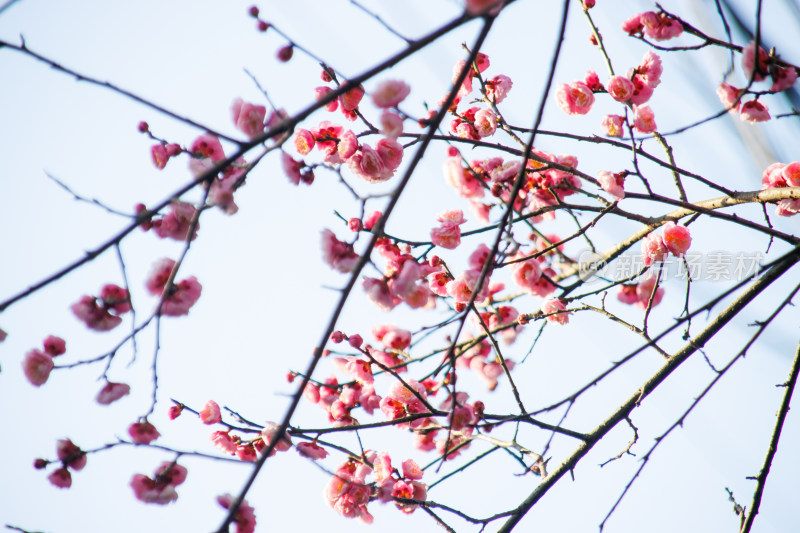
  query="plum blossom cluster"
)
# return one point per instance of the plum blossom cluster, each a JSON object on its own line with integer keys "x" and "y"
{"x": 779, "y": 175}
{"x": 372, "y": 164}
{"x": 634, "y": 89}
{"x": 448, "y": 234}
{"x": 674, "y": 239}
{"x": 37, "y": 364}
{"x": 178, "y": 298}
{"x": 102, "y": 313}
{"x": 656, "y": 26}
{"x": 645, "y": 292}
{"x": 548, "y": 180}
{"x": 348, "y": 492}
{"x": 477, "y": 122}
{"x": 245, "y": 517}
{"x": 71, "y": 457}
{"x": 757, "y": 66}
{"x": 160, "y": 489}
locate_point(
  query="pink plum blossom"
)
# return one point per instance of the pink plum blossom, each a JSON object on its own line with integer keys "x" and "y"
{"x": 497, "y": 88}
{"x": 210, "y": 413}
{"x": 389, "y": 93}
{"x": 161, "y": 489}
{"x": 111, "y": 392}
{"x": 656, "y": 26}
{"x": 348, "y": 145}
{"x": 269, "y": 433}
{"x": 526, "y": 274}
{"x": 37, "y": 365}
{"x": 94, "y": 314}
{"x": 182, "y": 298}
{"x": 574, "y": 98}
{"x": 754, "y": 111}
{"x": 641, "y": 91}
{"x": 464, "y": 181}
{"x": 312, "y": 450}
{"x": 206, "y": 150}
{"x": 143, "y": 432}
{"x": 612, "y": 125}
{"x": 653, "y": 249}
{"x": 649, "y": 72}
{"x": 61, "y": 478}
{"x": 223, "y": 441}
{"x": 553, "y": 308}
{"x": 788, "y": 207}
{"x": 177, "y": 223}
{"x": 463, "y": 287}
{"x": 70, "y": 454}
{"x": 248, "y": 118}
{"x": 245, "y": 517}
{"x": 476, "y": 7}
{"x": 758, "y": 71}
{"x": 337, "y": 254}
{"x": 378, "y": 293}
{"x": 368, "y": 165}
{"x": 791, "y": 174}
{"x": 644, "y": 119}
{"x": 304, "y": 141}
{"x": 390, "y": 152}
{"x": 391, "y": 125}
{"x": 592, "y": 80}
{"x": 485, "y": 123}
{"x": 729, "y": 95}
{"x": 676, "y": 238}
{"x": 448, "y": 235}
{"x": 782, "y": 78}
{"x": 645, "y": 290}
{"x": 620, "y": 88}
{"x": 349, "y": 101}
{"x": 613, "y": 184}
{"x": 54, "y": 346}
{"x": 321, "y": 92}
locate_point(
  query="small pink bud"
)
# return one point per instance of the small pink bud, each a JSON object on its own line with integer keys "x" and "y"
{"x": 39, "y": 464}
{"x": 175, "y": 411}
{"x": 144, "y": 127}
{"x": 285, "y": 53}
{"x": 355, "y": 224}
{"x": 325, "y": 76}
{"x": 254, "y": 11}
{"x": 263, "y": 26}
{"x": 355, "y": 340}
{"x": 337, "y": 337}
{"x": 290, "y": 377}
